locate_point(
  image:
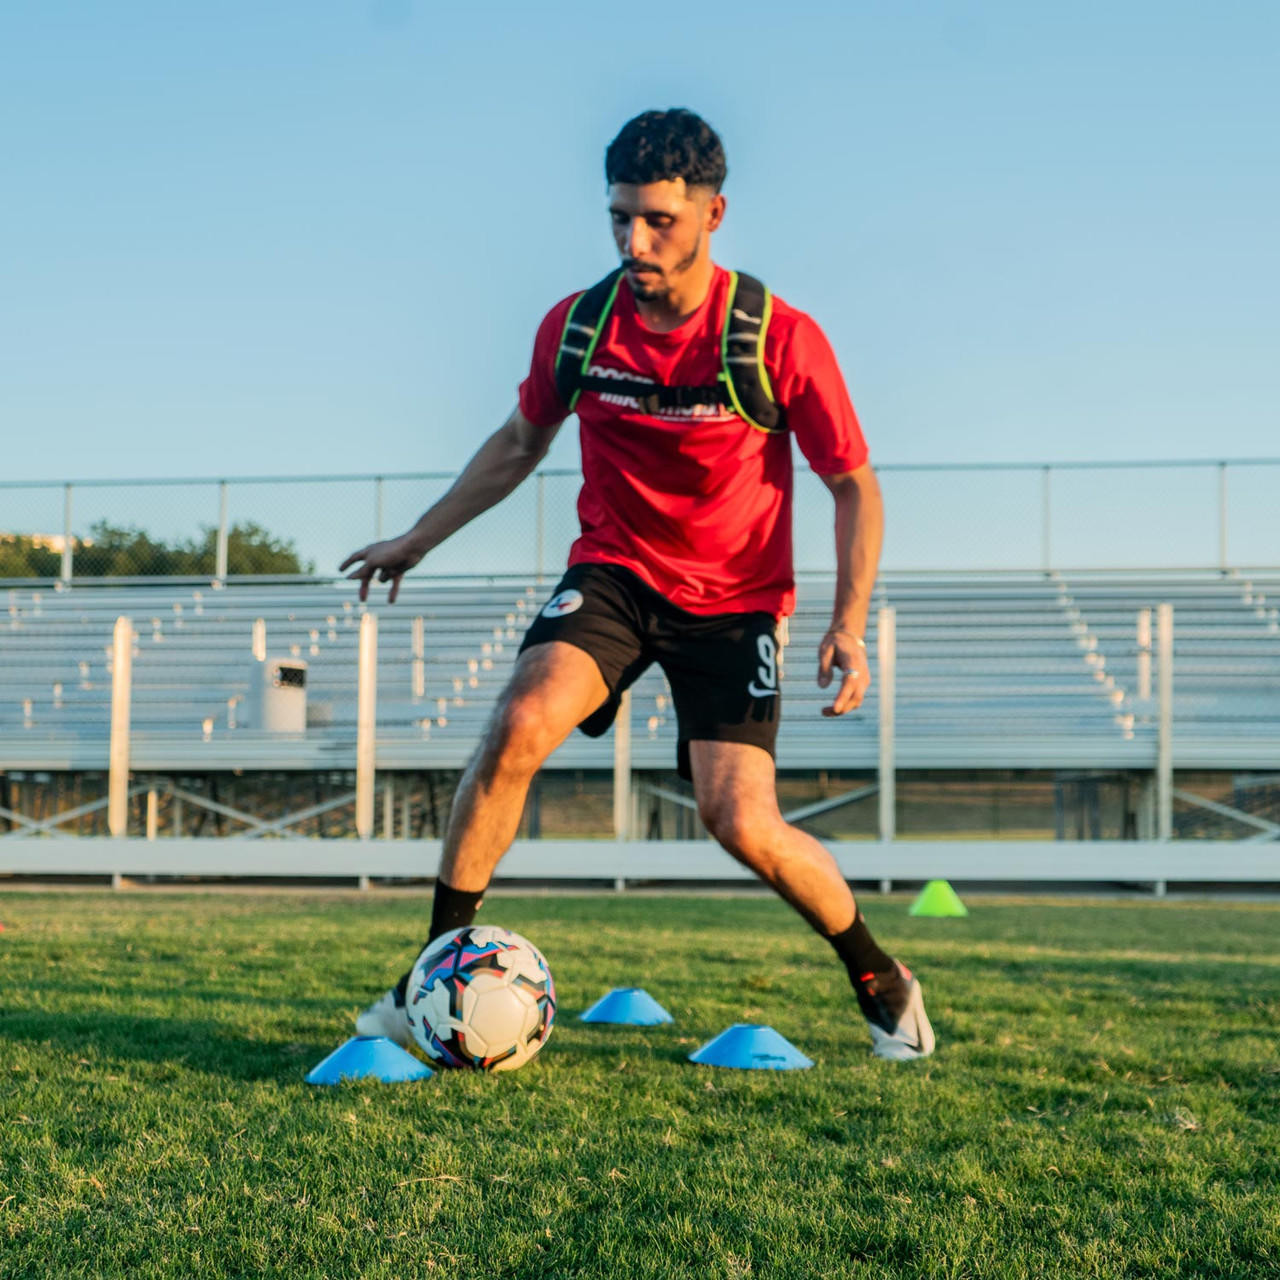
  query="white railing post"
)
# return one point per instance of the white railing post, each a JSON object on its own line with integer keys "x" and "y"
{"x": 1144, "y": 654}
{"x": 260, "y": 639}
{"x": 1164, "y": 741}
{"x": 153, "y": 813}
{"x": 622, "y": 769}
{"x": 366, "y": 722}
{"x": 419, "y": 667}
{"x": 1222, "y": 516}
{"x": 67, "y": 563}
{"x": 118, "y": 755}
{"x": 220, "y": 560}
{"x": 886, "y": 653}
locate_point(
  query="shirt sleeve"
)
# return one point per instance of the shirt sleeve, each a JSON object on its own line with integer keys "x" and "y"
{"x": 539, "y": 399}
{"x": 811, "y": 389}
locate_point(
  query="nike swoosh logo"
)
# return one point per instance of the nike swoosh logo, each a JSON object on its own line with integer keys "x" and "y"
{"x": 757, "y": 692}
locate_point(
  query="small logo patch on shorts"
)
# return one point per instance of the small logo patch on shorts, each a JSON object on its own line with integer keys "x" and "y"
{"x": 562, "y": 603}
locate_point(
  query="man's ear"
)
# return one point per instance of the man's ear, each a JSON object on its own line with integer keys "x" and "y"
{"x": 715, "y": 211}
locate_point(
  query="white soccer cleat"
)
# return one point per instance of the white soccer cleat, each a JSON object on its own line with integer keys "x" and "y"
{"x": 913, "y": 1036}
{"x": 384, "y": 1017}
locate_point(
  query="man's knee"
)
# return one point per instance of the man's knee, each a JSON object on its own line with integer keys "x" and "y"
{"x": 745, "y": 831}
{"x": 519, "y": 739}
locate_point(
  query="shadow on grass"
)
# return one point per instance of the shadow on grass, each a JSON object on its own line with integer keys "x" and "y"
{"x": 105, "y": 1040}
{"x": 184, "y": 1044}
{"x": 322, "y": 1002}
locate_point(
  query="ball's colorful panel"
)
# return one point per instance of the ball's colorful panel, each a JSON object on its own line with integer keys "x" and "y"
{"x": 481, "y": 996}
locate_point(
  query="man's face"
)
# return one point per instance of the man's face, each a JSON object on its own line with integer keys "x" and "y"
{"x": 661, "y": 231}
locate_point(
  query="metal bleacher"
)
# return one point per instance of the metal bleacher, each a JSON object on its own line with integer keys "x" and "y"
{"x": 993, "y": 670}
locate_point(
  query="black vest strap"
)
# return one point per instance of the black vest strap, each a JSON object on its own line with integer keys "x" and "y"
{"x": 581, "y": 333}
{"x": 742, "y": 352}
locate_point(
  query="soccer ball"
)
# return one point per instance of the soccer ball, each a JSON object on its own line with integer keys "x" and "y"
{"x": 481, "y": 997}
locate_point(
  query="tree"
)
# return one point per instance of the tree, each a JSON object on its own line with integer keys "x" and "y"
{"x": 111, "y": 551}
{"x": 23, "y": 556}
{"x": 250, "y": 549}
{"x": 128, "y": 552}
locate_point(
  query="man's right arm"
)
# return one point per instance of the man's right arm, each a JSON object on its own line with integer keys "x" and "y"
{"x": 504, "y": 460}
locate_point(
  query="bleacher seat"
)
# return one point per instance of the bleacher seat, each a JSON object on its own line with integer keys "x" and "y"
{"x": 993, "y": 670}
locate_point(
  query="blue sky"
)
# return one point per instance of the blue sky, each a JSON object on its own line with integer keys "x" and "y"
{"x": 246, "y": 238}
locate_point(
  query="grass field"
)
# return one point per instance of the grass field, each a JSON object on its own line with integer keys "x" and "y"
{"x": 1105, "y": 1100}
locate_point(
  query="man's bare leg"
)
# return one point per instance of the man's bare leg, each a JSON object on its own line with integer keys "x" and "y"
{"x": 737, "y": 800}
{"x": 555, "y": 686}
{"x": 735, "y": 786}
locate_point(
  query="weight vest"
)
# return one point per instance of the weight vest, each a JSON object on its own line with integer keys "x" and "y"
{"x": 742, "y": 384}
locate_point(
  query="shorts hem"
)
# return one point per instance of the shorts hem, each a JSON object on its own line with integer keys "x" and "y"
{"x": 724, "y": 733}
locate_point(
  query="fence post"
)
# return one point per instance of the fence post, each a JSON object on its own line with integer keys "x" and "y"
{"x": 118, "y": 755}
{"x": 389, "y": 808}
{"x": 366, "y": 721}
{"x": 539, "y": 522}
{"x": 1222, "y": 516}
{"x": 1046, "y": 528}
{"x": 886, "y": 653}
{"x": 379, "y": 510}
{"x": 1164, "y": 741}
{"x": 220, "y": 561}
{"x": 66, "y": 536}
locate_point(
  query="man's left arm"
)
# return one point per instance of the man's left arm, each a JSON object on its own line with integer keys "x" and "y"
{"x": 859, "y": 536}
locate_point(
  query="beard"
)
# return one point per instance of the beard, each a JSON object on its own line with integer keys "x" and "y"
{"x": 657, "y": 287}
{"x": 651, "y": 290}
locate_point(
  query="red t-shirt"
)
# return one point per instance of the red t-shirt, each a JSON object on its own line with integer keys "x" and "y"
{"x": 694, "y": 501}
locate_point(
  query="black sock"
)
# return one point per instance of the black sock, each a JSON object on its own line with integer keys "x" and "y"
{"x": 876, "y": 979}
{"x": 450, "y": 909}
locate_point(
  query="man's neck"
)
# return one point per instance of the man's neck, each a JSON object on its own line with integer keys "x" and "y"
{"x": 685, "y": 297}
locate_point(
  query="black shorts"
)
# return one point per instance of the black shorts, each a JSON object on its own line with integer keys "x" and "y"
{"x": 722, "y": 668}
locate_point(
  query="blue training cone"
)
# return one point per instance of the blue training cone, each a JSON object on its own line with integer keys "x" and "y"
{"x": 632, "y": 1006}
{"x": 751, "y": 1048}
{"x": 369, "y": 1058}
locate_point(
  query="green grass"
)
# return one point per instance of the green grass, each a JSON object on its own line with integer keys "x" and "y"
{"x": 1103, "y": 1101}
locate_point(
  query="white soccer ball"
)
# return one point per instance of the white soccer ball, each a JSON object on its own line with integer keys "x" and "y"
{"x": 481, "y": 997}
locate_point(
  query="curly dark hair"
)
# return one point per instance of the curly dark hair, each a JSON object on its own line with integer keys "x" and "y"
{"x": 658, "y": 146}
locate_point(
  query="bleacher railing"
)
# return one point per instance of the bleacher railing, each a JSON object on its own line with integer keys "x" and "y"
{"x": 941, "y": 516}
{"x": 1149, "y": 859}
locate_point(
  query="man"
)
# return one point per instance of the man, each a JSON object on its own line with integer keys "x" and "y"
{"x": 688, "y": 382}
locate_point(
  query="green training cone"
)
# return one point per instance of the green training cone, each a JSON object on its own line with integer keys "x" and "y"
{"x": 938, "y": 898}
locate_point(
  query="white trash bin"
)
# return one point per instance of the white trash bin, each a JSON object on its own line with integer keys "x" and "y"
{"x": 282, "y": 695}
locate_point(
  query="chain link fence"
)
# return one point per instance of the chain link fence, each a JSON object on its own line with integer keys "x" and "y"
{"x": 1186, "y": 515}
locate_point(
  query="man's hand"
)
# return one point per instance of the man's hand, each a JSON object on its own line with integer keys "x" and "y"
{"x": 387, "y": 561}
{"x": 844, "y": 650}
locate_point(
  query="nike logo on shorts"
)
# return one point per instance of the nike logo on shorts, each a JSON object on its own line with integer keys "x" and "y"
{"x": 757, "y": 692}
